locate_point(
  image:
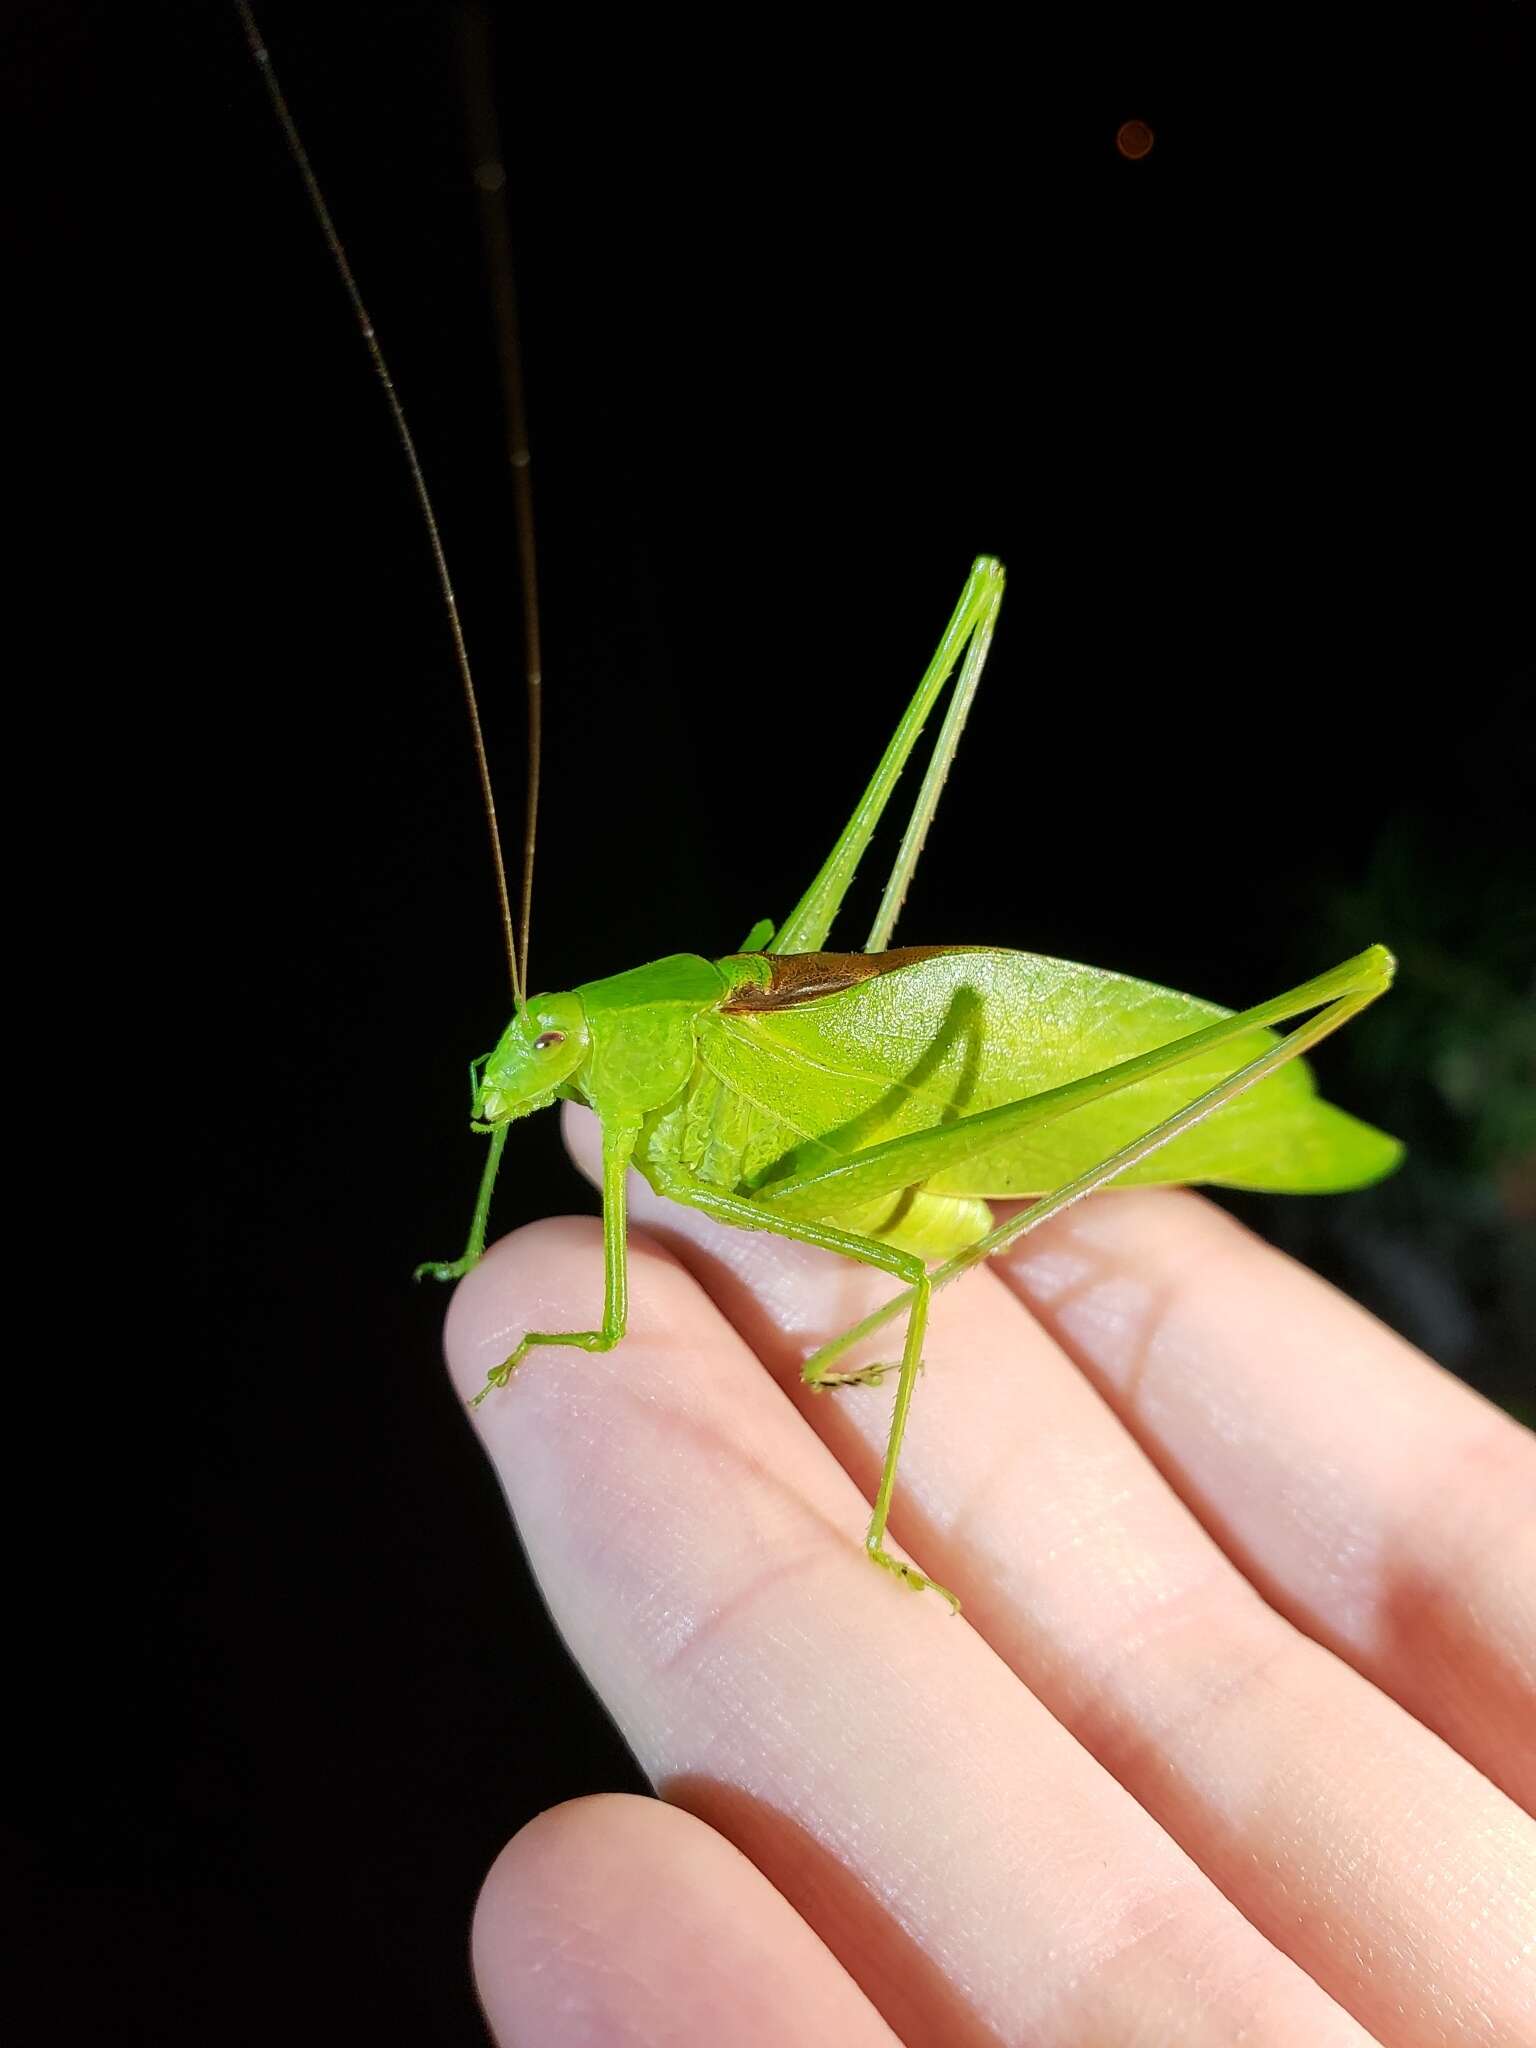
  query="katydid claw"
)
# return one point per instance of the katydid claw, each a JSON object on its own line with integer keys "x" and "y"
{"x": 910, "y": 1575}
{"x": 440, "y": 1269}
{"x": 865, "y": 1376}
{"x": 498, "y": 1376}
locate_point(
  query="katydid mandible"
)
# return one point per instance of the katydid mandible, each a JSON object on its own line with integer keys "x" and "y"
{"x": 874, "y": 1102}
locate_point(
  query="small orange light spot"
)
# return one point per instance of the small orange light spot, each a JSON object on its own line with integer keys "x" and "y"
{"x": 1134, "y": 139}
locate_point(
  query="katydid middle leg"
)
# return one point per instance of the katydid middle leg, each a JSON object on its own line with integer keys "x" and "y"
{"x": 618, "y": 1148}
{"x": 742, "y": 1212}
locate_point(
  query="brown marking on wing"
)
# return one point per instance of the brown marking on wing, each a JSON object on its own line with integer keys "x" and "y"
{"x": 802, "y": 977}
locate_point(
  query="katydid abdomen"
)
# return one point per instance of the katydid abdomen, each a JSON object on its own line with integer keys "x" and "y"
{"x": 786, "y": 1089}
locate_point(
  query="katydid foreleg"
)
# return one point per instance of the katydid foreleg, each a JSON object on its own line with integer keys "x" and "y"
{"x": 455, "y": 1269}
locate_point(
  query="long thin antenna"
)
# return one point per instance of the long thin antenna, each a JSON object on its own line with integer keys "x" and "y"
{"x": 476, "y": 52}
{"x": 333, "y": 242}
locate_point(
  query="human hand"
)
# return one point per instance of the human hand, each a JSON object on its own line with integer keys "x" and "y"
{"x": 1249, "y": 1626}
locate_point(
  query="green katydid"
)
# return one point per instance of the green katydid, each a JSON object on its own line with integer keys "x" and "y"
{"x": 875, "y": 1102}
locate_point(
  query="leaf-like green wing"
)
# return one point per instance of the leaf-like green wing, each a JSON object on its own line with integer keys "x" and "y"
{"x": 970, "y": 1029}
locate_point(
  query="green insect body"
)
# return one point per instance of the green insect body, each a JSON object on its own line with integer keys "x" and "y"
{"x": 875, "y": 1102}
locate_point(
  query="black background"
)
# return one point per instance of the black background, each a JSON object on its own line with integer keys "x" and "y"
{"x": 812, "y": 316}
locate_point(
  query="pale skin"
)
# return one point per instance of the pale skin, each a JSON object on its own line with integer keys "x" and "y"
{"x": 1236, "y": 1740}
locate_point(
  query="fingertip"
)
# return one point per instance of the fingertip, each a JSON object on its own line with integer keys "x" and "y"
{"x": 625, "y": 1920}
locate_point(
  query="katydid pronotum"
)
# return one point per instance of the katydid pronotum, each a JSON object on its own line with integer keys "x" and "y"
{"x": 874, "y": 1102}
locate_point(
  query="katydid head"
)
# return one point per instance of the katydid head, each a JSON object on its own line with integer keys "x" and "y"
{"x": 543, "y": 1046}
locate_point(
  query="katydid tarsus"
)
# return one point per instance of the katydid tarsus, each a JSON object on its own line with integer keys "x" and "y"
{"x": 875, "y": 1103}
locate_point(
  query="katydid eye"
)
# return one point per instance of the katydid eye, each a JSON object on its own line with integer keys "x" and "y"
{"x": 546, "y": 1039}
